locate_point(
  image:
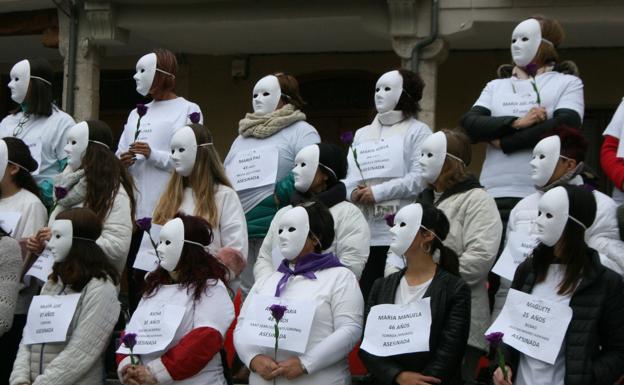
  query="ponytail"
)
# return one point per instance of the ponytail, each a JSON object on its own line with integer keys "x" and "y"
{"x": 435, "y": 220}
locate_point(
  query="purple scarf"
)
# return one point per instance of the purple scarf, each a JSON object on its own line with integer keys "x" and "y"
{"x": 305, "y": 266}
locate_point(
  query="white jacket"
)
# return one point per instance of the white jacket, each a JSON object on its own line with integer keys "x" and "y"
{"x": 351, "y": 241}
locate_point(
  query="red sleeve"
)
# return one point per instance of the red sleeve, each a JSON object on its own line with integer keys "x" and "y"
{"x": 120, "y": 357}
{"x": 611, "y": 164}
{"x": 192, "y": 353}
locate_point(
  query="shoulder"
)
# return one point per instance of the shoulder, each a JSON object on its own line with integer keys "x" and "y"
{"x": 453, "y": 282}
{"x": 476, "y": 196}
{"x": 494, "y": 84}
{"x": 62, "y": 117}
{"x": 528, "y": 202}
{"x": 417, "y": 127}
{"x": 344, "y": 209}
{"x": 29, "y": 198}
{"x": 566, "y": 78}
{"x": 226, "y": 191}
{"x": 101, "y": 288}
{"x": 603, "y": 200}
{"x": 217, "y": 291}
{"x": 12, "y": 119}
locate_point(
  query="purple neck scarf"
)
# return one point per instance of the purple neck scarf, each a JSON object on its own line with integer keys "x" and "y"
{"x": 305, "y": 266}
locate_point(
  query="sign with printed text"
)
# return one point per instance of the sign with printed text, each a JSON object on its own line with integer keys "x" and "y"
{"x": 398, "y": 329}
{"x": 146, "y": 258}
{"x": 379, "y": 159}
{"x": 294, "y": 328}
{"x": 519, "y": 247}
{"x": 49, "y": 317}
{"x": 533, "y": 326}
{"x": 155, "y": 325}
{"x": 42, "y": 267}
{"x": 253, "y": 168}
{"x": 9, "y": 221}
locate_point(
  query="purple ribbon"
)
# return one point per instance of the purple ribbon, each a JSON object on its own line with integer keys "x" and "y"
{"x": 305, "y": 266}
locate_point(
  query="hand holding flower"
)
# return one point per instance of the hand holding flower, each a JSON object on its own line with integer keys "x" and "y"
{"x": 265, "y": 366}
{"x": 141, "y": 148}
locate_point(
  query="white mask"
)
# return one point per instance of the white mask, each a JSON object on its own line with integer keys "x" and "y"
{"x": 406, "y": 225}
{"x": 4, "y": 157}
{"x": 432, "y": 156}
{"x": 62, "y": 238}
{"x": 184, "y": 150}
{"x": 171, "y": 243}
{"x": 293, "y": 229}
{"x": 388, "y": 91}
{"x": 20, "y": 79}
{"x": 145, "y": 72}
{"x": 546, "y": 154}
{"x": 266, "y": 95}
{"x": 525, "y": 42}
{"x": 77, "y": 142}
{"x": 306, "y": 164}
{"x": 553, "y": 215}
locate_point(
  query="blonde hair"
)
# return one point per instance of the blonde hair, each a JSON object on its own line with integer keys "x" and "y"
{"x": 207, "y": 174}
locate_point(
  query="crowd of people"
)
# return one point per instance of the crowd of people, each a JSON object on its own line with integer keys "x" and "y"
{"x": 393, "y": 250}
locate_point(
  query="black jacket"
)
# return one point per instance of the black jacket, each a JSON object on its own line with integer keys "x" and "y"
{"x": 450, "y": 324}
{"x": 594, "y": 341}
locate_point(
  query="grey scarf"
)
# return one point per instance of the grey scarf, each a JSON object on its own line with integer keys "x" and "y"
{"x": 263, "y": 126}
{"x": 76, "y": 185}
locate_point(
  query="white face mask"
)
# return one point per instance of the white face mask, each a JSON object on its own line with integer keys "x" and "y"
{"x": 432, "y": 156}
{"x": 525, "y": 42}
{"x": 266, "y": 95}
{"x": 145, "y": 72}
{"x": 553, "y": 215}
{"x": 20, "y": 79}
{"x": 77, "y": 142}
{"x": 171, "y": 243}
{"x": 406, "y": 225}
{"x": 306, "y": 164}
{"x": 184, "y": 150}
{"x": 293, "y": 229}
{"x": 4, "y": 157}
{"x": 546, "y": 154}
{"x": 62, "y": 238}
{"x": 388, "y": 91}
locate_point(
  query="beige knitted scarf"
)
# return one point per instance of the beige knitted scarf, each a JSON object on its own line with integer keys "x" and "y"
{"x": 263, "y": 126}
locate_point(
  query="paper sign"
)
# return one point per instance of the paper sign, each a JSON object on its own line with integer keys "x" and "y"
{"x": 379, "y": 159}
{"x": 146, "y": 258}
{"x": 49, "y": 317}
{"x": 398, "y": 329}
{"x": 9, "y": 221}
{"x": 253, "y": 168}
{"x": 533, "y": 326}
{"x": 155, "y": 325}
{"x": 294, "y": 328}
{"x": 519, "y": 246}
{"x": 42, "y": 267}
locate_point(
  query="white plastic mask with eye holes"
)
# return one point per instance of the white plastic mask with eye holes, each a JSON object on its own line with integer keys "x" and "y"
{"x": 293, "y": 230}
{"x": 62, "y": 238}
{"x": 432, "y": 156}
{"x": 171, "y": 243}
{"x": 525, "y": 42}
{"x": 546, "y": 154}
{"x": 4, "y": 157}
{"x": 553, "y": 215}
{"x": 406, "y": 225}
{"x": 145, "y": 72}
{"x": 77, "y": 143}
{"x": 20, "y": 79}
{"x": 266, "y": 95}
{"x": 306, "y": 164}
{"x": 388, "y": 91}
{"x": 184, "y": 150}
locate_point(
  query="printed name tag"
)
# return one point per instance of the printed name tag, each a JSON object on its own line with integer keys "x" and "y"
{"x": 398, "y": 329}
{"x": 253, "y": 168}
{"x": 294, "y": 328}
{"x": 533, "y": 326}
{"x": 9, "y": 220}
{"x": 49, "y": 317}
{"x": 519, "y": 246}
{"x": 42, "y": 267}
{"x": 379, "y": 159}
{"x": 146, "y": 258}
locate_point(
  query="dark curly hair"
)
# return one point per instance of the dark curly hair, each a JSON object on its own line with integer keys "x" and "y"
{"x": 413, "y": 87}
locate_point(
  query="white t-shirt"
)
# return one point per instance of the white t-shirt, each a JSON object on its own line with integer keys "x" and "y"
{"x": 158, "y": 125}
{"x": 34, "y": 214}
{"x": 508, "y": 175}
{"x": 616, "y": 129}
{"x": 536, "y": 372}
{"x": 408, "y": 294}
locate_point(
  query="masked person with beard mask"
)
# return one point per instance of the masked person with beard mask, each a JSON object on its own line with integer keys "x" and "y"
{"x": 314, "y": 287}
{"x": 565, "y": 271}
{"x": 38, "y": 121}
{"x": 383, "y": 188}
{"x": 317, "y": 174}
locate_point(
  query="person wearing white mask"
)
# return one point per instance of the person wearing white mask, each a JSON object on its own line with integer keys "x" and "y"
{"x": 475, "y": 229}
{"x": 565, "y": 270}
{"x": 306, "y": 282}
{"x": 612, "y": 154}
{"x": 317, "y": 174}
{"x": 83, "y": 272}
{"x": 383, "y": 188}
{"x": 191, "y": 282}
{"x": 269, "y": 138}
{"x": 199, "y": 186}
{"x": 38, "y": 121}
{"x": 558, "y": 160}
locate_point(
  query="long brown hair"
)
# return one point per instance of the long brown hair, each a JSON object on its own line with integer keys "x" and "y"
{"x": 196, "y": 266}
{"x": 85, "y": 260}
{"x": 289, "y": 87}
{"x": 104, "y": 171}
{"x": 164, "y": 83}
{"x": 457, "y": 144}
{"x": 553, "y": 32}
{"x": 207, "y": 173}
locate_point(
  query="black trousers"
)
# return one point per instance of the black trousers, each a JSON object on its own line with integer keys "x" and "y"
{"x": 9, "y": 344}
{"x": 374, "y": 268}
{"x": 136, "y": 278}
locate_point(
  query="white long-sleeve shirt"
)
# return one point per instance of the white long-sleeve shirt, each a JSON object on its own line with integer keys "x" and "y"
{"x": 336, "y": 327}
